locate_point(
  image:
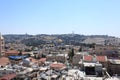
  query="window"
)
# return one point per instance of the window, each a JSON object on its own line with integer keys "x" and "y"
{"x": 105, "y": 49}
{"x": 2, "y": 47}
{"x": 2, "y": 42}
{"x": 100, "y": 48}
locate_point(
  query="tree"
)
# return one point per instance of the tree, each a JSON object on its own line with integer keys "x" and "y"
{"x": 43, "y": 56}
{"x": 27, "y": 50}
{"x": 20, "y": 52}
{"x": 80, "y": 49}
{"x": 92, "y": 45}
{"x": 71, "y": 54}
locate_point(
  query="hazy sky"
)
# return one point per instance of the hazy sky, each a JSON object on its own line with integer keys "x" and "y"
{"x": 60, "y": 16}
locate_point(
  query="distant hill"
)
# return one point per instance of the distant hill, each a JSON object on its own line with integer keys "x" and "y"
{"x": 74, "y": 39}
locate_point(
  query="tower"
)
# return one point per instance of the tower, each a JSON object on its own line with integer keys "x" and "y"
{"x": 2, "y": 44}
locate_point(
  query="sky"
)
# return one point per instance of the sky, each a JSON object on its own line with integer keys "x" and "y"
{"x": 88, "y": 17}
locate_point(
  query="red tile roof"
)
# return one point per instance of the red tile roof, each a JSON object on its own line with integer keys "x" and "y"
{"x": 57, "y": 65}
{"x": 4, "y": 61}
{"x": 87, "y": 58}
{"x": 33, "y": 60}
{"x": 24, "y": 52}
{"x": 42, "y": 60}
{"x": 8, "y": 77}
{"x": 11, "y": 52}
{"x": 101, "y": 58}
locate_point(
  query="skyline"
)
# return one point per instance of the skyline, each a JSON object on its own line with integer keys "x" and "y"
{"x": 88, "y": 17}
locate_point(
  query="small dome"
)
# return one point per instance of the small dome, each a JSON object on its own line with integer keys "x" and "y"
{"x": 26, "y": 61}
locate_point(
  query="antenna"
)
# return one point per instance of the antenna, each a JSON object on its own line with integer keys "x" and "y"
{"x": 73, "y": 32}
{"x": 26, "y": 35}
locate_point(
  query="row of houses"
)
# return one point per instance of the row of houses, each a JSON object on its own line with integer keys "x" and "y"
{"x": 112, "y": 65}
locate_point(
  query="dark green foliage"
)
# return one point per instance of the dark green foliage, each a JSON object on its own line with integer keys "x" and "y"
{"x": 27, "y": 50}
{"x": 20, "y": 52}
{"x": 92, "y": 45}
{"x": 80, "y": 49}
{"x": 33, "y": 42}
{"x": 71, "y": 54}
{"x": 43, "y": 56}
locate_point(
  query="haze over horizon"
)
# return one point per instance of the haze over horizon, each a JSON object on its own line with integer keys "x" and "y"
{"x": 87, "y": 17}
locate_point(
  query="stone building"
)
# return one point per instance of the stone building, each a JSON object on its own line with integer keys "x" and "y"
{"x": 11, "y": 53}
{"x": 78, "y": 57}
{"x": 2, "y": 44}
{"x": 58, "y": 57}
{"x": 114, "y": 66}
{"x": 109, "y": 51}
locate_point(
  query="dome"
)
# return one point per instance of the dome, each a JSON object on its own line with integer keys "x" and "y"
{"x": 26, "y": 61}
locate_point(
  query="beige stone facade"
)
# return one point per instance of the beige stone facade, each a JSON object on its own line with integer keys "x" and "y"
{"x": 109, "y": 51}
{"x": 114, "y": 66}
{"x": 58, "y": 57}
{"x": 2, "y": 44}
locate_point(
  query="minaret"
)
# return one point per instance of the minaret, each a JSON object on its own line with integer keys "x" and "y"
{"x": 2, "y": 44}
